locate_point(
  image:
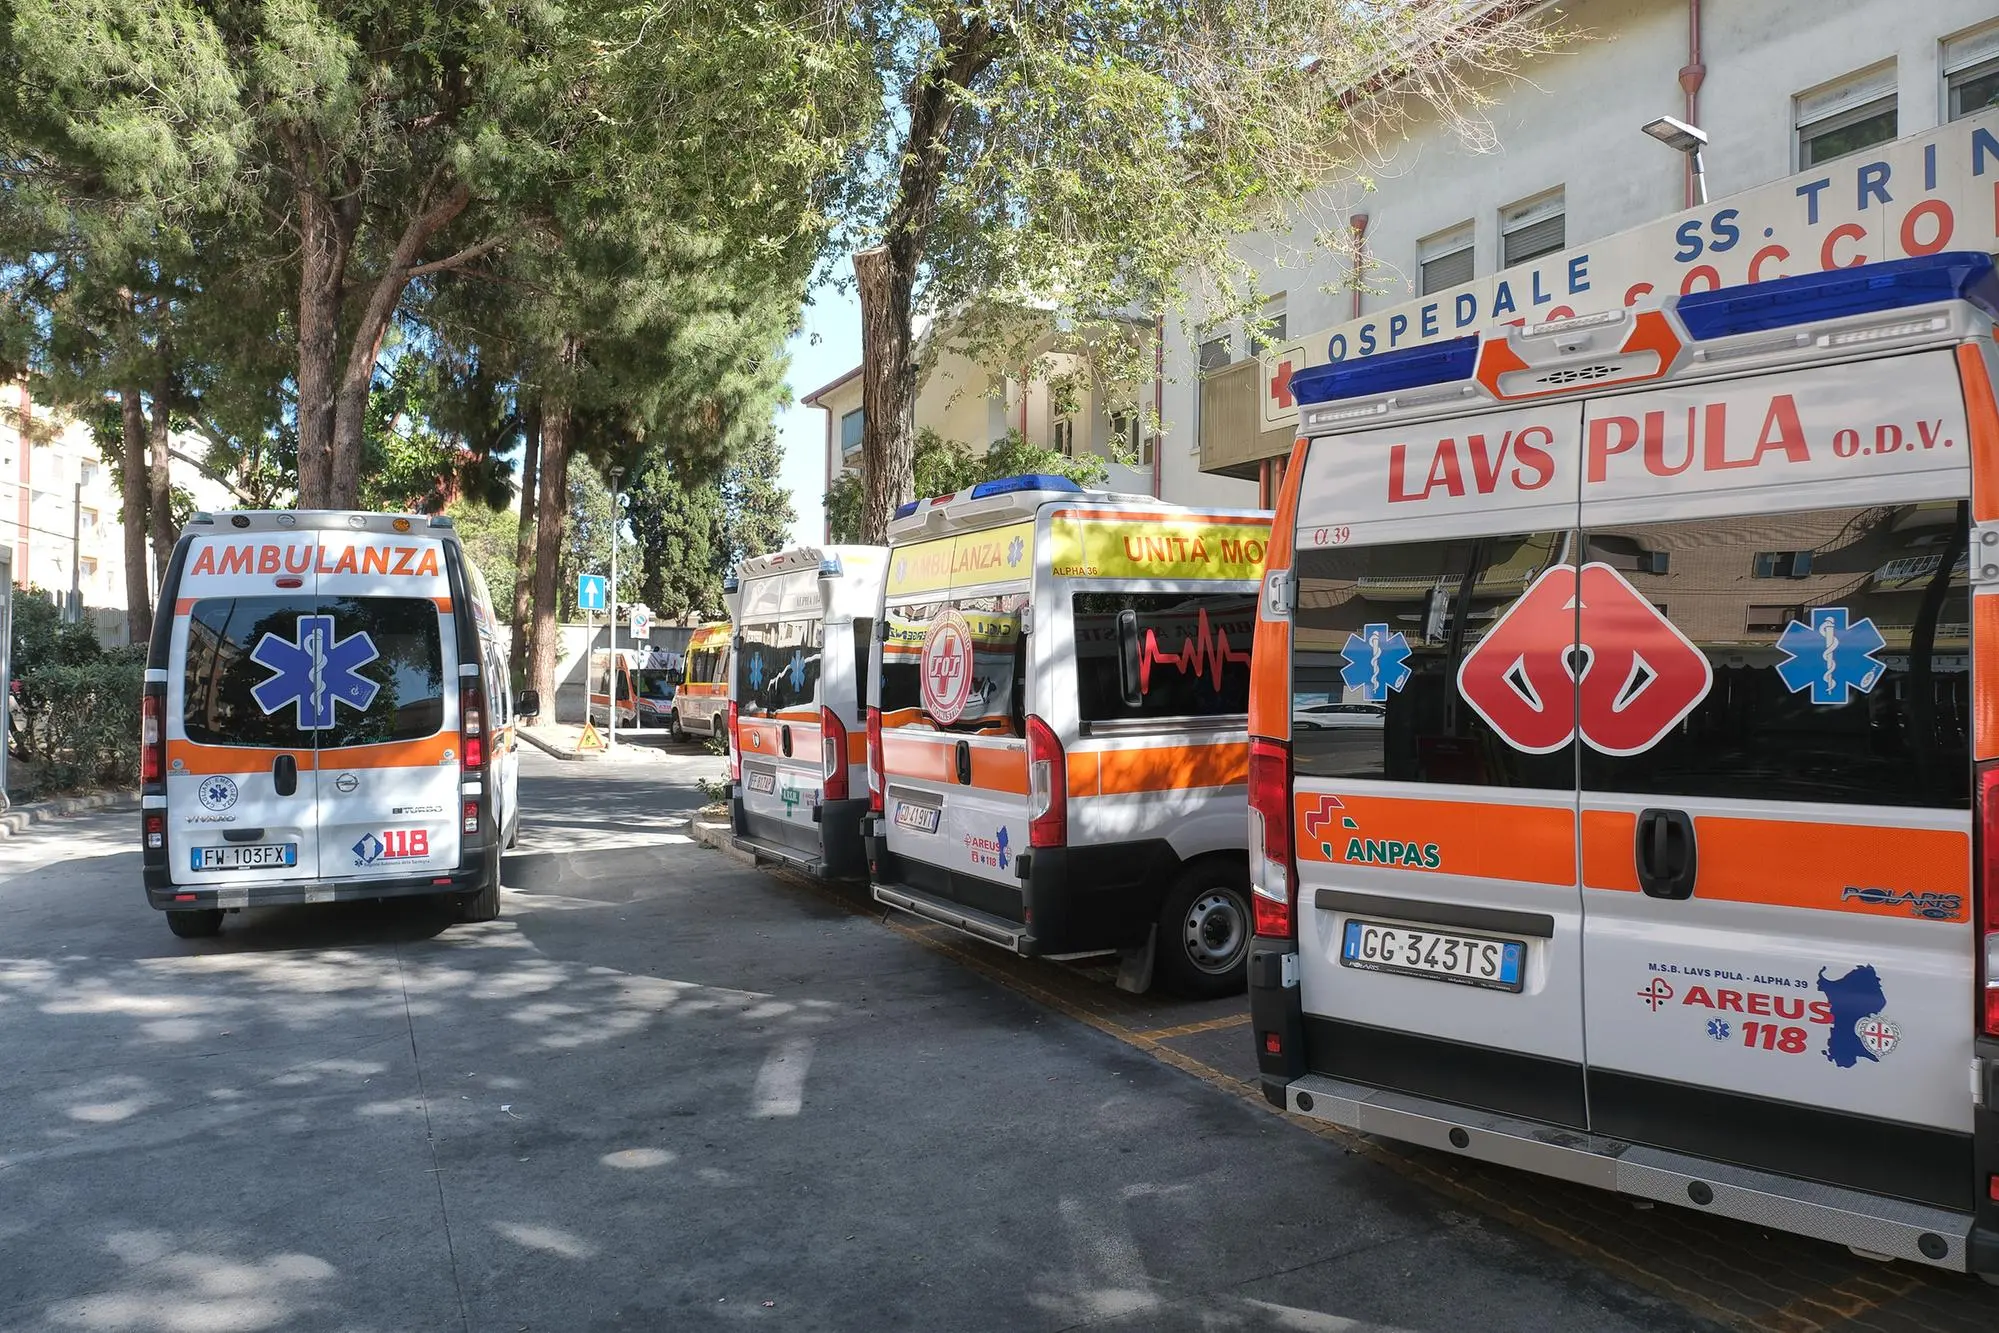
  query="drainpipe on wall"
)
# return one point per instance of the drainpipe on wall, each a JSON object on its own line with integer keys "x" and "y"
{"x": 1692, "y": 75}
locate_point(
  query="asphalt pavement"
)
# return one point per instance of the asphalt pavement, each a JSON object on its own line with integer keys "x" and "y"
{"x": 665, "y": 1091}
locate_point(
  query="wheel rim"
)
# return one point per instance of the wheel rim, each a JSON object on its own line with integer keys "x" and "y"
{"x": 1216, "y": 931}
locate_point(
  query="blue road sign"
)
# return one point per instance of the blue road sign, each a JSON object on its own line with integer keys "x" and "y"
{"x": 590, "y": 592}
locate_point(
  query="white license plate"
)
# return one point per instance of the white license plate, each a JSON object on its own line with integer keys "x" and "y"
{"x": 249, "y": 856}
{"x": 916, "y": 818}
{"x": 762, "y": 782}
{"x": 1469, "y": 960}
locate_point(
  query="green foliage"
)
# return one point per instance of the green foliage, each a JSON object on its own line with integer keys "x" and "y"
{"x": 944, "y": 466}
{"x": 489, "y": 536}
{"x": 75, "y": 715}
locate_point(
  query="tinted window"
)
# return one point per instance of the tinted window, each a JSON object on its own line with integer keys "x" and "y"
{"x": 655, "y": 683}
{"x": 999, "y": 663}
{"x": 864, "y": 633}
{"x": 1378, "y": 638}
{"x": 383, "y": 665}
{"x": 1162, "y": 655}
{"x": 1856, "y": 688}
{"x": 777, "y": 666}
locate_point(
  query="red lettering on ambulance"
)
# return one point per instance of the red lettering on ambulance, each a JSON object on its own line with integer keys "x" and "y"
{"x": 1789, "y": 1006}
{"x": 268, "y": 560}
{"x": 1847, "y": 231}
{"x": 298, "y": 559}
{"x": 1782, "y": 432}
{"x": 204, "y": 563}
{"x": 1485, "y": 466}
{"x": 1759, "y": 1003}
{"x": 1445, "y": 471}
{"x": 1528, "y": 452}
{"x": 1655, "y": 447}
{"x": 1698, "y": 995}
{"x": 237, "y": 560}
{"x": 1600, "y": 446}
{"x": 375, "y": 560}
{"x": 1729, "y": 1000}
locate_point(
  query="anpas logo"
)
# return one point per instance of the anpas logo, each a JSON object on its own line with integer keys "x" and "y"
{"x": 1338, "y": 835}
{"x": 1929, "y": 906}
{"x": 396, "y": 844}
{"x": 991, "y": 851}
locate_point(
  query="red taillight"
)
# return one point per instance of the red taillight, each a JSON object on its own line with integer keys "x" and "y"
{"x": 735, "y": 749}
{"x": 472, "y": 729}
{"x": 470, "y": 814}
{"x": 1985, "y": 898}
{"x": 876, "y": 782}
{"x": 152, "y": 741}
{"x": 1272, "y": 875}
{"x": 155, "y": 824}
{"x": 1047, "y": 787}
{"x": 833, "y": 740}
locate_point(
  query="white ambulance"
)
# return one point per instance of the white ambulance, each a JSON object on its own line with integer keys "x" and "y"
{"x": 641, "y": 679}
{"x": 326, "y": 717}
{"x": 1059, "y": 725}
{"x": 1669, "y": 865}
{"x": 804, "y": 626}
{"x": 701, "y": 691}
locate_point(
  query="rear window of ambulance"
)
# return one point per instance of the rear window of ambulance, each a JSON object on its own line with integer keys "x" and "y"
{"x": 777, "y": 666}
{"x": 248, "y": 681}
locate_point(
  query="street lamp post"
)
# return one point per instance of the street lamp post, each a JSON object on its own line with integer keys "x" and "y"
{"x": 1689, "y": 139}
{"x": 617, "y": 675}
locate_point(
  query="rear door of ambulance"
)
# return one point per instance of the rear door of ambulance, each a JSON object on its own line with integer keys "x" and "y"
{"x": 389, "y": 755}
{"x": 779, "y": 641}
{"x": 954, "y": 700}
{"x": 1776, "y": 830}
{"x": 1440, "y": 929}
{"x": 241, "y": 733}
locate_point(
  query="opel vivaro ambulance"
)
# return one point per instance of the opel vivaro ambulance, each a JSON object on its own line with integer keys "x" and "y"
{"x": 639, "y": 680}
{"x": 326, "y": 717}
{"x": 701, "y": 699}
{"x": 1668, "y": 866}
{"x": 1058, "y": 724}
{"x": 804, "y": 623}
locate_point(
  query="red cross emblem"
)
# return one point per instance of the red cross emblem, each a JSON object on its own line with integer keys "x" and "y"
{"x": 1280, "y": 384}
{"x": 1583, "y": 653}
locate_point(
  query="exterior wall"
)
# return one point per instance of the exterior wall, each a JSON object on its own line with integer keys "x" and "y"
{"x": 1574, "y": 123}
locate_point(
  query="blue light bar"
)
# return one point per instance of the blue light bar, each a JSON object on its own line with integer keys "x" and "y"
{"x": 1954, "y": 275}
{"x": 1030, "y": 481}
{"x": 730, "y": 583}
{"x": 1386, "y": 372}
{"x": 906, "y": 508}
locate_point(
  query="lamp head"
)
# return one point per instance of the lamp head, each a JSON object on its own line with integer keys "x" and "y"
{"x": 1677, "y": 134}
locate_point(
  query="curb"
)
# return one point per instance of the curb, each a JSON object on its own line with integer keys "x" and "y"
{"x": 21, "y": 818}
{"x": 553, "y": 752}
{"x": 717, "y": 838}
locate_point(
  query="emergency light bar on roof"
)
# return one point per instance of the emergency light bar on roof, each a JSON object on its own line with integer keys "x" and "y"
{"x": 1027, "y": 481}
{"x": 1630, "y": 346}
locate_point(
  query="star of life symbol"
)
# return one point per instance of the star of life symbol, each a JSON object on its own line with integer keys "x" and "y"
{"x": 1656, "y": 994}
{"x": 797, "y": 671}
{"x": 1377, "y": 661}
{"x": 1878, "y": 1035}
{"x": 1014, "y": 550}
{"x": 1718, "y": 1029}
{"x": 315, "y": 672}
{"x": 757, "y": 671}
{"x": 1829, "y": 657}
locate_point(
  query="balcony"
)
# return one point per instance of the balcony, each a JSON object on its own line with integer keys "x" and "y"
{"x": 1231, "y": 442}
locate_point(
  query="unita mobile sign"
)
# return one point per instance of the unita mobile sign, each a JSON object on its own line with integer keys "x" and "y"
{"x": 1918, "y": 196}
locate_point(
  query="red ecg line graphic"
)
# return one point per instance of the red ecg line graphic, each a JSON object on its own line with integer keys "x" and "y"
{"x": 1206, "y": 653}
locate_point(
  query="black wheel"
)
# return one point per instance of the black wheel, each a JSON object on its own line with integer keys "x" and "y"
{"x": 483, "y": 903}
{"x": 1204, "y": 932}
{"x": 674, "y": 729}
{"x": 196, "y": 925}
{"x": 513, "y": 827}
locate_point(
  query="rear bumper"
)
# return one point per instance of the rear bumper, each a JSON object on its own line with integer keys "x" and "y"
{"x": 829, "y": 847}
{"x": 167, "y": 896}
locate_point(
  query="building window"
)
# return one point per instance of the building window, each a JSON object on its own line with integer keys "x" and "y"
{"x": 88, "y": 568}
{"x": 1127, "y": 435}
{"x": 1065, "y": 437}
{"x": 90, "y": 520}
{"x": 1275, "y": 326}
{"x": 1445, "y": 260}
{"x": 1532, "y": 228}
{"x": 851, "y": 427}
{"x": 1971, "y": 73}
{"x": 1783, "y": 564}
{"x": 1846, "y": 116}
{"x": 1214, "y": 352}
{"x": 86, "y": 472}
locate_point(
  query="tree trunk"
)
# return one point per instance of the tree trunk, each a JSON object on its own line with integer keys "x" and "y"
{"x": 138, "y": 591}
{"x": 325, "y": 243}
{"x": 524, "y": 542}
{"x": 888, "y": 390}
{"x": 159, "y": 471}
{"x": 550, "y": 511}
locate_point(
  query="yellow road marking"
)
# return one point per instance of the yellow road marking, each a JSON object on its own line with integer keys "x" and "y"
{"x": 1189, "y": 1029}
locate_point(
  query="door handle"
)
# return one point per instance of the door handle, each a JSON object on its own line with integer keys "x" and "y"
{"x": 784, "y": 740}
{"x": 284, "y": 775}
{"x": 1666, "y": 854}
{"x": 964, "y": 763}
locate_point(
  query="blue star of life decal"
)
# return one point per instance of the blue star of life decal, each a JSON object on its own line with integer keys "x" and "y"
{"x": 1014, "y": 551}
{"x": 1377, "y": 661}
{"x": 1718, "y": 1029}
{"x": 314, "y": 673}
{"x": 1830, "y": 658}
{"x": 757, "y": 671}
{"x": 797, "y": 671}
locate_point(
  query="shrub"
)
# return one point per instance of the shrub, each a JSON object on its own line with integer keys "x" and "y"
{"x": 75, "y": 713}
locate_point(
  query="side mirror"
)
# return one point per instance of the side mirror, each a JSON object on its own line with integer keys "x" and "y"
{"x": 528, "y": 702}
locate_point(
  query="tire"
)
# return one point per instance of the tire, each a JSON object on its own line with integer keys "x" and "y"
{"x": 674, "y": 730}
{"x": 1204, "y": 932}
{"x": 513, "y": 838}
{"x": 483, "y": 903}
{"x": 201, "y": 924}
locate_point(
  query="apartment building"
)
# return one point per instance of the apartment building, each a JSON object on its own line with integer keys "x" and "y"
{"x": 1837, "y": 134}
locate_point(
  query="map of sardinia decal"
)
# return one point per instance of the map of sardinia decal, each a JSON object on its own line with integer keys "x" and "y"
{"x": 1858, "y": 1032}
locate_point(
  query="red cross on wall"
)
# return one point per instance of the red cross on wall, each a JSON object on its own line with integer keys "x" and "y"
{"x": 1280, "y": 385}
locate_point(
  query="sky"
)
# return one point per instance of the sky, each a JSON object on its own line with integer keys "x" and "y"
{"x": 827, "y": 346}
